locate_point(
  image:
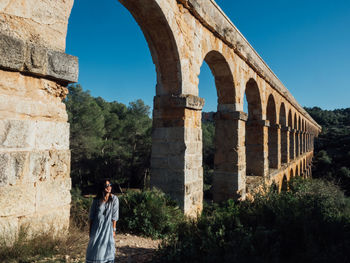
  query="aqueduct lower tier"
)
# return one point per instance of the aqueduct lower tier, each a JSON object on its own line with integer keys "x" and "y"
{"x": 273, "y": 142}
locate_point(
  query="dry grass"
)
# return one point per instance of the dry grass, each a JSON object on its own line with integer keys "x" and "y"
{"x": 45, "y": 247}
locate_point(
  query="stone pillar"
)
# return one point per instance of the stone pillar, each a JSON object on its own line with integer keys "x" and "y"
{"x": 257, "y": 148}
{"x": 176, "y": 162}
{"x": 285, "y": 131}
{"x": 275, "y": 150}
{"x": 292, "y": 144}
{"x": 229, "y": 164}
{"x": 297, "y": 143}
{"x": 34, "y": 138}
{"x": 301, "y": 150}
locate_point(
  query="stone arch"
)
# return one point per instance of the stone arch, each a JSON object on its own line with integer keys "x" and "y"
{"x": 284, "y": 138}
{"x": 297, "y": 170}
{"x": 254, "y": 142}
{"x": 224, "y": 82}
{"x": 284, "y": 184}
{"x": 273, "y": 151}
{"x": 291, "y": 173}
{"x": 297, "y": 138}
{"x": 252, "y": 93}
{"x": 162, "y": 44}
{"x": 291, "y": 135}
{"x": 225, "y": 177}
{"x": 300, "y": 136}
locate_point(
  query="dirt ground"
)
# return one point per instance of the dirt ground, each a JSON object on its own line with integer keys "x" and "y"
{"x": 130, "y": 249}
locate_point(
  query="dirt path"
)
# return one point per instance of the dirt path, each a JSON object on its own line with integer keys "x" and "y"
{"x": 132, "y": 248}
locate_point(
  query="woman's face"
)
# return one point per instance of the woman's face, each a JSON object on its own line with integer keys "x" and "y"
{"x": 108, "y": 187}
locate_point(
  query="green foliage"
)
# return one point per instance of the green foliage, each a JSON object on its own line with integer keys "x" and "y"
{"x": 109, "y": 139}
{"x": 149, "y": 213}
{"x": 79, "y": 209}
{"x": 308, "y": 223}
{"x": 332, "y": 147}
{"x": 208, "y": 133}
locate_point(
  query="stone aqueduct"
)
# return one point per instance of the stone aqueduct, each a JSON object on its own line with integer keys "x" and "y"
{"x": 272, "y": 143}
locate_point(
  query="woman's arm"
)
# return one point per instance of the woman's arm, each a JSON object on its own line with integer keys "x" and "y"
{"x": 114, "y": 227}
{"x": 115, "y": 213}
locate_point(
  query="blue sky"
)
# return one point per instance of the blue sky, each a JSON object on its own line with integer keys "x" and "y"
{"x": 306, "y": 43}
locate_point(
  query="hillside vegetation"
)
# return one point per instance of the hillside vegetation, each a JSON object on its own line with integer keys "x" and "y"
{"x": 332, "y": 147}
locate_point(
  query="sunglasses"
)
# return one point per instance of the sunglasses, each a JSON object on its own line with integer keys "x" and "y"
{"x": 106, "y": 185}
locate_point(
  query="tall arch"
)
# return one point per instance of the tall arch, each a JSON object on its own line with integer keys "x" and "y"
{"x": 304, "y": 137}
{"x": 301, "y": 135}
{"x": 291, "y": 173}
{"x": 155, "y": 27}
{"x": 169, "y": 118}
{"x": 227, "y": 172}
{"x": 256, "y": 164}
{"x": 297, "y": 140}
{"x": 291, "y": 135}
{"x": 224, "y": 83}
{"x": 284, "y": 142}
{"x": 284, "y": 184}
{"x": 273, "y": 134}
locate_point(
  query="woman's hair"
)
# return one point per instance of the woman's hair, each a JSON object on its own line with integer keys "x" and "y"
{"x": 101, "y": 190}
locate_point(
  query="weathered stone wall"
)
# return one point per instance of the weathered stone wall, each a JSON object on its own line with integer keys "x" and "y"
{"x": 34, "y": 134}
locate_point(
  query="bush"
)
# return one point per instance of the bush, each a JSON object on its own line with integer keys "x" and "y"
{"x": 79, "y": 211}
{"x": 308, "y": 223}
{"x": 149, "y": 213}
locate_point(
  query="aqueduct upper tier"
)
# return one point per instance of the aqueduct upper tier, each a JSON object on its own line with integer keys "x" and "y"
{"x": 272, "y": 143}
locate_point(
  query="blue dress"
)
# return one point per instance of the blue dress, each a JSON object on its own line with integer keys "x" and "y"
{"x": 101, "y": 247}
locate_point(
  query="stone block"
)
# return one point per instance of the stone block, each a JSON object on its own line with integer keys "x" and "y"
{"x": 160, "y": 162}
{"x": 12, "y": 52}
{"x": 53, "y": 221}
{"x": 59, "y": 164}
{"x": 16, "y": 134}
{"x": 17, "y": 200}
{"x": 36, "y": 60}
{"x": 160, "y": 149}
{"x": 40, "y": 135}
{"x": 12, "y": 107}
{"x": 8, "y": 230}
{"x": 176, "y": 162}
{"x": 53, "y": 193}
{"x": 39, "y": 167}
{"x": 175, "y": 134}
{"x": 178, "y": 148}
{"x": 51, "y": 135}
{"x": 63, "y": 66}
{"x": 12, "y": 167}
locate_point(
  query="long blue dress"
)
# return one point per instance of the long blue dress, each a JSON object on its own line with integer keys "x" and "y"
{"x": 101, "y": 247}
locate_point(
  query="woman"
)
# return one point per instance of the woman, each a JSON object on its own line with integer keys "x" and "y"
{"x": 104, "y": 214}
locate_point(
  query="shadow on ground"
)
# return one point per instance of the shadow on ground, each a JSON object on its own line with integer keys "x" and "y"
{"x": 127, "y": 254}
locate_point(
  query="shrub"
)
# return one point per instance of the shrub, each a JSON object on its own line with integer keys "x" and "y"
{"x": 308, "y": 223}
{"x": 149, "y": 213}
{"x": 79, "y": 211}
